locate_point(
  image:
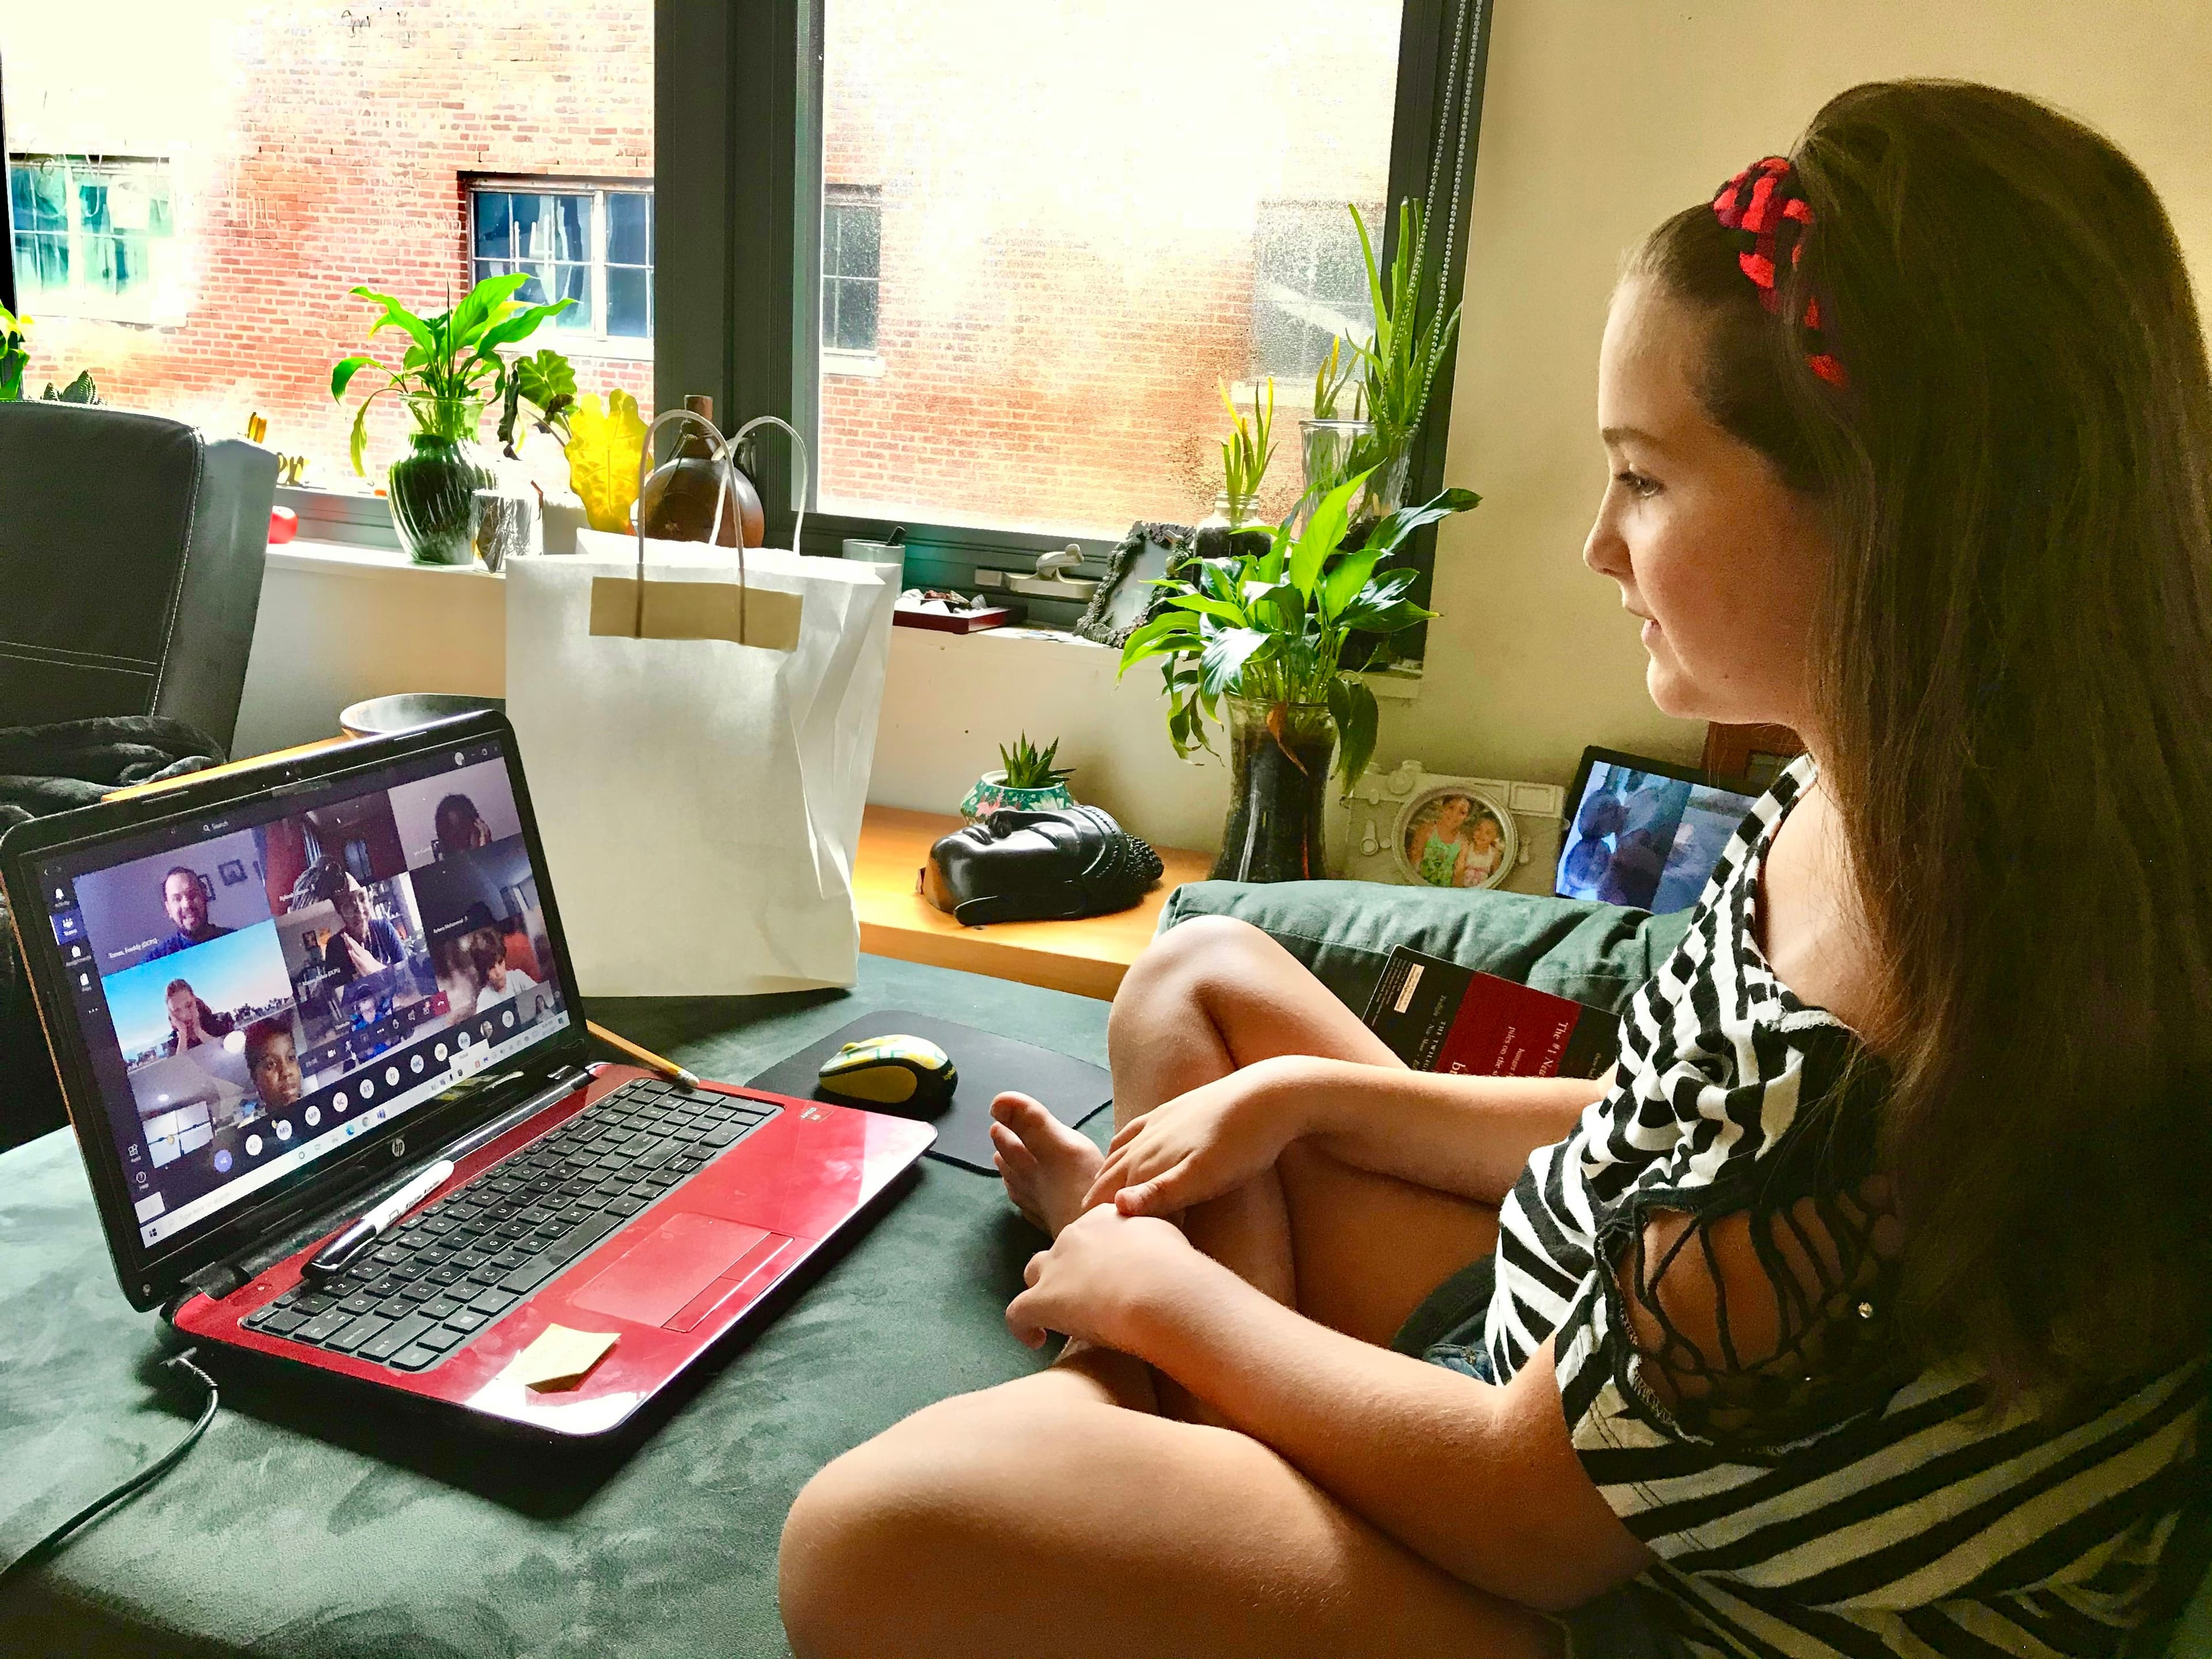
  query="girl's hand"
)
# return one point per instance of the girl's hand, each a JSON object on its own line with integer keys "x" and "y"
{"x": 1203, "y": 1144}
{"x": 1103, "y": 1274}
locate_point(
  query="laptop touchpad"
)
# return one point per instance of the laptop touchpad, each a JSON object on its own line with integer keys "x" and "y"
{"x": 657, "y": 1277}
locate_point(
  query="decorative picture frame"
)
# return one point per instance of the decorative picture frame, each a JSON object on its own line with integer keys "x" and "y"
{"x": 1449, "y": 833}
{"x": 1123, "y": 602}
{"x": 233, "y": 872}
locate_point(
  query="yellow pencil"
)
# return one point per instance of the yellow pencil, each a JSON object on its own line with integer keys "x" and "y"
{"x": 646, "y": 1057}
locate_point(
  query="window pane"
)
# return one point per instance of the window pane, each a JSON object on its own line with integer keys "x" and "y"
{"x": 572, "y": 234}
{"x": 492, "y": 222}
{"x": 301, "y": 159}
{"x": 849, "y": 318}
{"x": 527, "y": 214}
{"x": 630, "y": 301}
{"x": 629, "y": 228}
{"x": 851, "y": 245}
{"x": 574, "y": 283}
{"x": 1311, "y": 285}
{"x": 1073, "y": 248}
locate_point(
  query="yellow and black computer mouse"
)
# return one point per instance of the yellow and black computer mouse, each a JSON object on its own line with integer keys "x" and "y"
{"x": 910, "y": 1073}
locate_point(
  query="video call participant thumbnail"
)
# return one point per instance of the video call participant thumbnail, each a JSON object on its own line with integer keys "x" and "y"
{"x": 192, "y": 1024}
{"x": 272, "y": 1061}
{"x": 183, "y": 897}
{"x": 470, "y": 958}
{"x": 363, "y": 943}
{"x": 461, "y": 827}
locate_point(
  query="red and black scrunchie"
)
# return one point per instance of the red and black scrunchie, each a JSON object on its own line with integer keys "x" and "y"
{"x": 1765, "y": 205}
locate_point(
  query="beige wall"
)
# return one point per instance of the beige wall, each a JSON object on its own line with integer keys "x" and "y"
{"x": 1601, "y": 118}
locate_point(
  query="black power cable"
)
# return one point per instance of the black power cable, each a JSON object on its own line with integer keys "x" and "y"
{"x": 138, "y": 1483}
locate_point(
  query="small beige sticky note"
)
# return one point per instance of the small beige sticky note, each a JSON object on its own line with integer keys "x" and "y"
{"x": 559, "y": 1358}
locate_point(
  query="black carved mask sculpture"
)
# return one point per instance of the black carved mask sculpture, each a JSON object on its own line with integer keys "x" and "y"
{"x": 1038, "y": 866}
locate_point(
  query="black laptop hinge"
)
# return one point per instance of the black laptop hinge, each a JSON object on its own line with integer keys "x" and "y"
{"x": 219, "y": 1279}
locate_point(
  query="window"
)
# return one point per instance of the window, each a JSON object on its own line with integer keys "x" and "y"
{"x": 91, "y": 234}
{"x": 1308, "y": 285}
{"x": 852, "y": 241}
{"x": 1071, "y": 247}
{"x": 592, "y": 246}
{"x": 1066, "y": 256}
{"x": 196, "y": 191}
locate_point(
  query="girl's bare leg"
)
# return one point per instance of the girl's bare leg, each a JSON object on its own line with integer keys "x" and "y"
{"x": 1042, "y": 1520}
{"x": 1355, "y": 1251}
{"x": 1060, "y": 1514}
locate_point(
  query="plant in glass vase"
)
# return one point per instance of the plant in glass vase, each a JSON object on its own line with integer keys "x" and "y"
{"x": 1257, "y": 641}
{"x": 451, "y": 369}
{"x": 1397, "y": 366}
{"x": 1245, "y": 454}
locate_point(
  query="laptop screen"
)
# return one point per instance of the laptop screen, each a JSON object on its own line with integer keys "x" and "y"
{"x": 1645, "y": 833}
{"x": 256, "y": 990}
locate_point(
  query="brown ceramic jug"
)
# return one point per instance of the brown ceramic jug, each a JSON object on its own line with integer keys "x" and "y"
{"x": 678, "y": 498}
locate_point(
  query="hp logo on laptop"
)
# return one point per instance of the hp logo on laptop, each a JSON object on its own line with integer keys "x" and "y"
{"x": 399, "y": 1146}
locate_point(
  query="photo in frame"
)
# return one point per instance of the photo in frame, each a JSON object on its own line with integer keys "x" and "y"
{"x": 1452, "y": 836}
{"x": 1125, "y": 599}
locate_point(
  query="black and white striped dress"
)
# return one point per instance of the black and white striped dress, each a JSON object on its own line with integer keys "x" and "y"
{"x": 1910, "y": 1524}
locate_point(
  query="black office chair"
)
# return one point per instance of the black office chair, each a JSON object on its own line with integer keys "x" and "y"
{"x": 131, "y": 555}
{"x": 130, "y": 558}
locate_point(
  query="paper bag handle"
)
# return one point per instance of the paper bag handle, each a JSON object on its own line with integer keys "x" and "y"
{"x": 722, "y": 451}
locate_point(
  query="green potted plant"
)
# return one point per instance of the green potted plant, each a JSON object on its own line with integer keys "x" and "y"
{"x": 1026, "y": 781}
{"x": 1328, "y": 438}
{"x": 1395, "y": 370}
{"x": 1245, "y": 454}
{"x": 14, "y": 355}
{"x": 1259, "y": 642}
{"x": 451, "y": 368}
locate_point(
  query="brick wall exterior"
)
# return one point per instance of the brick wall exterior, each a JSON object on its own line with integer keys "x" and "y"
{"x": 327, "y": 150}
{"x": 1067, "y": 259}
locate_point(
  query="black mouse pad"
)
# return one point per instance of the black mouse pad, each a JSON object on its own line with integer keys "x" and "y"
{"x": 1072, "y": 1090}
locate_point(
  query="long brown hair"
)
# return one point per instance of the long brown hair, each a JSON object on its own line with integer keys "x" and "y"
{"x": 2012, "y": 675}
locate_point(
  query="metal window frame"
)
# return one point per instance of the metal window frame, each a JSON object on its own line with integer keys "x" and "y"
{"x": 739, "y": 298}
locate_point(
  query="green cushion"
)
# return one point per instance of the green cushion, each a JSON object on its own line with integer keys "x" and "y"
{"x": 1345, "y": 931}
{"x": 310, "y": 1522}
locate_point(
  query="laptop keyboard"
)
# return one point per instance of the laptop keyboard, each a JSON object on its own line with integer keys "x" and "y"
{"x": 446, "y": 1272}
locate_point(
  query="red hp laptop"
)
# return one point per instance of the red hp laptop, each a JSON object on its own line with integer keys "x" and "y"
{"x": 278, "y": 996}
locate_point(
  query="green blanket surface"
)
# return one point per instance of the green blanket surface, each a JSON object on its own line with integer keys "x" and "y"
{"x": 308, "y": 1526}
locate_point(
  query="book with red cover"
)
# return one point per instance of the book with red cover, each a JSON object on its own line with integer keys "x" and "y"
{"x": 1438, "y": 1016}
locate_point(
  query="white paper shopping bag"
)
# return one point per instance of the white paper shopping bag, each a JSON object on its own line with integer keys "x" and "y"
{"x": 700, "y": 799}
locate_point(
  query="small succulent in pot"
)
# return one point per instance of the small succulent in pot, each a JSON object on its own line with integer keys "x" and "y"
{"x": 1026, "y": 781}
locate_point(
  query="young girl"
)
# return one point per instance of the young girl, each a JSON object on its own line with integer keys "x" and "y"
{"x": 1864, "y": 1309}
{"x": 1439, "y": 846}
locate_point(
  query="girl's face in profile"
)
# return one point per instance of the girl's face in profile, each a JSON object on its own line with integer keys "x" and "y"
{"x": 1723, "y": 560}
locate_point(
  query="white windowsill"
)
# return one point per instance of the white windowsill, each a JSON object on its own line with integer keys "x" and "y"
{"x": 852, "y": 365}
{"x": 339, "y": 623}
{"x": 307, "y": 553}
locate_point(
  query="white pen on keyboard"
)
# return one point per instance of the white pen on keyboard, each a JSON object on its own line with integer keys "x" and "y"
{"x": 359, "y": 1233}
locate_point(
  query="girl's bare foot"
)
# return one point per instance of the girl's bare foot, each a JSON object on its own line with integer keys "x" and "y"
{"x": 1047, "y": 1166}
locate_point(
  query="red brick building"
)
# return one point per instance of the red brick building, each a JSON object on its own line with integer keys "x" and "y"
{"x": 1047, "y": 236}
